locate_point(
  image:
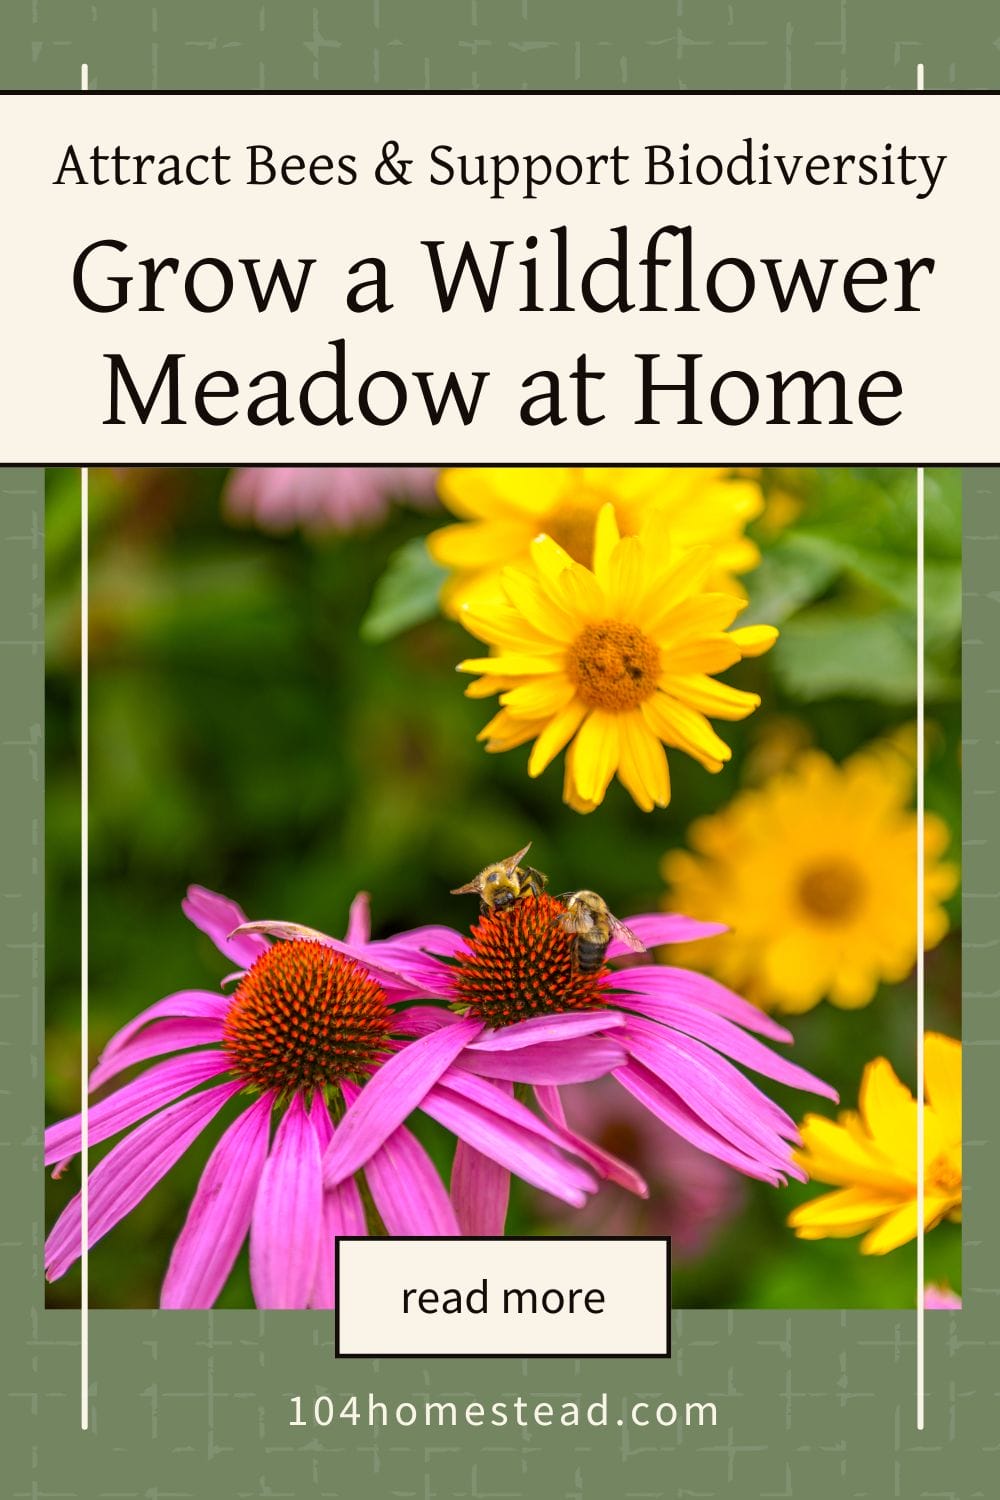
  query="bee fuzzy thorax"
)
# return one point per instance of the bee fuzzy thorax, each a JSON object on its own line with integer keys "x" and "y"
{"x": 521, "y": 962}
{"x": 500, "y": 885}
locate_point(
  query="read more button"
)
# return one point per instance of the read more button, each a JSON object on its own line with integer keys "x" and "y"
{"x": 485, "y": 1297}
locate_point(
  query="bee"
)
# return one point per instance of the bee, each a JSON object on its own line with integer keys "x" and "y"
{"x": 500, "y": 885}
{"x": 593, "y": 927}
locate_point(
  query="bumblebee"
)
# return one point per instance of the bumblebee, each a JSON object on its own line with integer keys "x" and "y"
{"x": 593, "y": 927}
{"x": 500, "y": 885}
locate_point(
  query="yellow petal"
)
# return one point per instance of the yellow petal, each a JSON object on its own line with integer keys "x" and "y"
{"x": 595, "y": 757}
{"x": 540, "y": 698}
{"x": 791, "y": 978}
{"x": 511, "y": 664}
{"x": 626, "y": 578}
{"x": 485, "y": 687}
{"x": 500, "y": 625}
{"x": 537, "y": 605}
{"x": 477, "y": 544}
{"x": 685, "y": 728}
{"x": 831, "y": 1152}
{"x": 853, "y": 985}
{"x": 548, "y": 557}
{"x": 606, "y": 539}
{"x": 846, "y": 1211}
{"x": 717, "y": 699}
{"x": 943, "y": 1082}
{"x": 754, "y": 640}
{"x": 643, "y": 765}
{"x": 580, "y": 594}
{"x": 895, "y": 1230}
{"x": 700, "y": 654}
{"x": 571, "y": 795}
{"x": 557, "y": 733}
{"x": 889, "y": 1112}
{"x": 703, "y": 614}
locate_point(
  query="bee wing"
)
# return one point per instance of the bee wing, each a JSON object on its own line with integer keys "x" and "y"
{"x": 465, "y": 890}
{"x": 627, "y": 936}
{"x": 510, "y": 864}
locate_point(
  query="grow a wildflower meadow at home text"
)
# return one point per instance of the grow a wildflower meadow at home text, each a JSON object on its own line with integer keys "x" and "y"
{"x": 684, "y": 1006}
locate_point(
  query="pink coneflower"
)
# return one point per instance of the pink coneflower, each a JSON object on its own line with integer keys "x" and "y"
{"x": 325, "y": 499}
{"x": 941, "y": 1298}
{"x": 522, "y": 1003}
{"x": 305, "y": 1030}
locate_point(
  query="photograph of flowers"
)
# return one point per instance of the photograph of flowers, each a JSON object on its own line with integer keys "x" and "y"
{"x": 485, "y": 851}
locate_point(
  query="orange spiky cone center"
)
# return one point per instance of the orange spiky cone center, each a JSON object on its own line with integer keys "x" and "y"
{"x": 303, "y": 1017}
{"x": 520, "y": 965}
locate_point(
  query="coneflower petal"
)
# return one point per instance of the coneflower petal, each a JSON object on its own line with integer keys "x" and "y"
{"x": 359, "y": 920}
{"x": 196, "y": 1004}
{"x": 727, "y": 1101}
{"x": 155, "y": 1040}
{"x": 656, "y": 928}
{"x": 519, "y": 1150}
{"x": 720, "y": 1034}
{"x": 542, "y": 1029}
{"x": 220, "y": 1212}
{"x": 129, "y": 1171}
{"x": 159, "y": 1085}
{"x": 578, "y": 1060}
{"x": 343, "y": 1213}
{"x": 286, "y": 1227}
{"x": 604, "y": 1163}
{"x": 661, "y": 979}
{"x": 480, "y": 1191}
{"x": 217, "y": 916}
{"x": 662, "y": 1101}
{"x": 392, "y": 1094}
{"x": 408, "y": 1193}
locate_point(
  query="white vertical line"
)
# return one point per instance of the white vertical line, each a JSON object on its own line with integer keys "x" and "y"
{"x": 84, "y": 940}
{"x": 84, "y": 922}
{"x": 920, "y": 924}
{"x": 920, "y": 950}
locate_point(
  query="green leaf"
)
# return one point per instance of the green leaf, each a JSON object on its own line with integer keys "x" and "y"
{"x": 406, "y": 594}
{"x": 795, "y": 570}
{"x": 830, "y": 650}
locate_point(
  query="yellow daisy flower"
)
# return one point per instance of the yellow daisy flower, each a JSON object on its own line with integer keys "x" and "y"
{"x": 871, "y": 1156}
{"x": 615, "y": 663}
{"x": 503, "y": 510}
{"x": 815, "y": 873}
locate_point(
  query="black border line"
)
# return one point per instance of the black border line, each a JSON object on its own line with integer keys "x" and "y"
{"x": 678, "y": 94}
{"x": 494, "y": 1239}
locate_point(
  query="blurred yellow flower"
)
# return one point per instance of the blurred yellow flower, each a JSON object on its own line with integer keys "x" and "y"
{"x": 503, "y": 510}
{"x": 871, "y": 1156}
{"x": 815, "y": 873}
{"x": 618, "y": 661}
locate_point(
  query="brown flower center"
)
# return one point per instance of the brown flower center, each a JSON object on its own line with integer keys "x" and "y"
{"x": 520, "y": 964}
{"x": 613, "y": 665}
{"x": 304, "y": 1016}
{"x": 832, "y": 891}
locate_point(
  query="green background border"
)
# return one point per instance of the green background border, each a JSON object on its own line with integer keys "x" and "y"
{"x": 195, "y": 1406}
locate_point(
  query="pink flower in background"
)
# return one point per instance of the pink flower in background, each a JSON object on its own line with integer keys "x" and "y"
{"x": 306, "y": 1027}
{"x": 529, "y": 1016}
{"x": 938, "y": 1298}
{"x": 324, "y": 499}
{"x": 691, "y": 1195}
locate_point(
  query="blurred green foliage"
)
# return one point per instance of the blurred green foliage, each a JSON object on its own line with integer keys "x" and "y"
{"x": 248, "y": 736}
